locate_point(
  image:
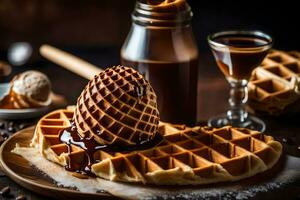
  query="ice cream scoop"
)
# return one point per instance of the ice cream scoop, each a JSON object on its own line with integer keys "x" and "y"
{"x": 29, "y": 89}
{"x": 118, "y": 107}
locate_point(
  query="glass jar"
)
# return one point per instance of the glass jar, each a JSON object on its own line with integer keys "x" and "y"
{"x": 161, "y": 46}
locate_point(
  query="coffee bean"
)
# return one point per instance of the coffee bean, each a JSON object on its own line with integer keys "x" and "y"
{"x": 20, "y": 197}
{"x": 5, "y": 191}
{"x": 284, "y": 140}
{"x": 11, "y": 124}
{"x": 4, "y": 134}
{"x": 288, "y": 141}
{"x": 11, "y": 129}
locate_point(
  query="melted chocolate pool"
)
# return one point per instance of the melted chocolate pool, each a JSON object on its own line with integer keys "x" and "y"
{"x": 70, "y": 136}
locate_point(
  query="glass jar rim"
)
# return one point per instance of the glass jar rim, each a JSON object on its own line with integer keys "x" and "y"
{"x": 153, "y": 15}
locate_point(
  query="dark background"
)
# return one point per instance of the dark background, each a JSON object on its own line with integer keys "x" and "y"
{"x": 95, "y": 30}
{"x": 86, "y": 23}
{"x": 278, "y": 18}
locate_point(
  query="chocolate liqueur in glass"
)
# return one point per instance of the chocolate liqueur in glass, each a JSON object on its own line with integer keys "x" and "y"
{"x": 239, "y": 64}
{"x": 237, "y": 53}
{"x": 161, "y": 46}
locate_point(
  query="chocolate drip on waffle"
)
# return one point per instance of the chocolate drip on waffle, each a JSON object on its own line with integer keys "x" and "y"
{"x": 70, "y": 136}
{"x": 186, "y": 156}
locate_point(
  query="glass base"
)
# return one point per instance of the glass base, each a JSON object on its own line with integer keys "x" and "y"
{"x": 252, "y": 122}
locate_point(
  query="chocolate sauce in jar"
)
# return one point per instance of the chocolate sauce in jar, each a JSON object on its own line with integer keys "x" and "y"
{"x": 161, "y": 46}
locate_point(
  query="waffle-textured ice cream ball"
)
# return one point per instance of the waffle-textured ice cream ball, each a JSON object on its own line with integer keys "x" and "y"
{"x": 118, "y": 106}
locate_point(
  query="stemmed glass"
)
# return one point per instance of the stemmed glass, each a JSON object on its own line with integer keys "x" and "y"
{"x": 237, "y": 53}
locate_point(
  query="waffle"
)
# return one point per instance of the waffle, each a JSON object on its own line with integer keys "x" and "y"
{"x": 186, "y": 156}
{"x": 117, "y": 107}
{"x": 275, "y": 85}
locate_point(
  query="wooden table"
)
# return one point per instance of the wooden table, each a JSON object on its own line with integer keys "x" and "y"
{"x": 212, "y": 99}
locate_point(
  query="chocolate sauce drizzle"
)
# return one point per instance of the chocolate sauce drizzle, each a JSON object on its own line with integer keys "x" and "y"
{"x": 70, "y": 136}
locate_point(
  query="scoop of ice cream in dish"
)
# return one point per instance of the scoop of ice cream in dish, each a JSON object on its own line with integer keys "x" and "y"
{"x": 26, "y": 96}
{"x": 30, "y": 89}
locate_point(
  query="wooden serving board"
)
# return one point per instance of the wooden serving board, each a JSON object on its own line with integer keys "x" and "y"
{"x": 275, "y": 183}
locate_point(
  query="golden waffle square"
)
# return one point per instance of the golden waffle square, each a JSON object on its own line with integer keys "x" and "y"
{"x": 274, "y": 86}
{"x": 186, "y": 156}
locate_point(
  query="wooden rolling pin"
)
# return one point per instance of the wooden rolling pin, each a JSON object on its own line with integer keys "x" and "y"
{"x": 69, "y": 61}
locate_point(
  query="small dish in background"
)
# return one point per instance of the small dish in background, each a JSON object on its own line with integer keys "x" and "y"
{"x": 19, "y": 113}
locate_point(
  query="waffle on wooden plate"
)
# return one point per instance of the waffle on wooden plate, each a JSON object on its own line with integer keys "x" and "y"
{"x": 198, "y": 155}
{"x": 274, "y": 87}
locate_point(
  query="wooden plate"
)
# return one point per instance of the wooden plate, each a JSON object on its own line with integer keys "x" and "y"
{"x": 20, "y": 170}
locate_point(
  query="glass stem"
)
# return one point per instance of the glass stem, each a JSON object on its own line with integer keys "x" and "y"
{"x": 237, "y": 113}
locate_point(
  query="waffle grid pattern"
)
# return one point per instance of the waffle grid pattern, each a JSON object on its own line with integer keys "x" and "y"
{"x": 276, "y": 83}
{"x": 198, "y": 155}
{"x": 108, "y": 109}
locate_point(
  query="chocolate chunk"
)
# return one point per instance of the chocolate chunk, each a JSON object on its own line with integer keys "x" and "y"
{"x": 5, "y": 191}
